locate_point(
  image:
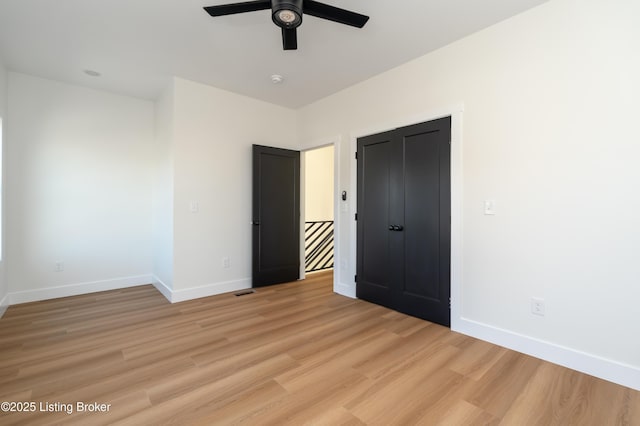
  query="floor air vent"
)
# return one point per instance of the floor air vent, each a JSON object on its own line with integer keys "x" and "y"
{"x": 244, "y": 293}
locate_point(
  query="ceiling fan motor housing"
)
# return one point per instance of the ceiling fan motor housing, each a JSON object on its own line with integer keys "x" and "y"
{"x": 287, "y": 13}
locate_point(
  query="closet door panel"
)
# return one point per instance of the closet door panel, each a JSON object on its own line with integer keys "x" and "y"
{"x": 426, "y": 288}
{"x": 421, "y": 219}
{"x": 374, "y": 168}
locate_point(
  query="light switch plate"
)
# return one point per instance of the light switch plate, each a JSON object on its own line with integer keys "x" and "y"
{"x": 489, "y": 207}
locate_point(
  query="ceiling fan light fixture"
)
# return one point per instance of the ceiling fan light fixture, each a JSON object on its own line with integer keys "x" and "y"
{"x": 287, "y": 16}
{"x": 287, "y": 13}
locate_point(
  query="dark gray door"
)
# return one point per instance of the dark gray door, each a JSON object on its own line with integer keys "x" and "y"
{"x": 404, "y": 220}
{"x": 276, "y": 215}
{"x": 375, "y": 192}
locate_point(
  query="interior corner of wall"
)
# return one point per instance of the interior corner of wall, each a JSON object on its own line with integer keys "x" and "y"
{"x": 162, "y": 287}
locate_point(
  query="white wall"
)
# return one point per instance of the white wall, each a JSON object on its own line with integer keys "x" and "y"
{"x": 79, "y": 190}
{"x": 213, "y": 134}
{"x": 318, "y": 182}
{"x": 162, "y": 216}
{"x": 550, "y": 133}
{"x": 4, "y": 288}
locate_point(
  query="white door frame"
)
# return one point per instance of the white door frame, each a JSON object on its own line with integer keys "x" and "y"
{"x": 336, "y": 143}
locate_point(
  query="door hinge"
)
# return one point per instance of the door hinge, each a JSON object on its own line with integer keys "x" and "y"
{"x": 449, "y": 303}
{"x": 356, "y": 218}
{"x": 356, "y": 155}
{"x": 355, "y": 278}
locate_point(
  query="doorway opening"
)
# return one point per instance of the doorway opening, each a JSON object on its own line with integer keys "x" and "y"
{"x": 318, "y": 208}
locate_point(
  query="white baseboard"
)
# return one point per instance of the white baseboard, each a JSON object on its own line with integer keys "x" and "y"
{"x": 182, "y": 295}
{"x": 348, "y": 290}
{"x": 4, "y": 304}
{"x": 161, "y": 287}
{"x": 613, "y": 371}
{"x": 77, "y": 289}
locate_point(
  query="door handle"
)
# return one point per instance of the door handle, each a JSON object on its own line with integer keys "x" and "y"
{"x": 396, "y": 227}
{"x": 255, "y": 223}
{"x": 391, "y": 228}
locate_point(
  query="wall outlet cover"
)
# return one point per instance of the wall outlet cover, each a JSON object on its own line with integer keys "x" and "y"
{"x": 537, "y": 306}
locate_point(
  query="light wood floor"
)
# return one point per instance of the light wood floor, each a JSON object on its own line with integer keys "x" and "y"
{"x": 287, "y": 354}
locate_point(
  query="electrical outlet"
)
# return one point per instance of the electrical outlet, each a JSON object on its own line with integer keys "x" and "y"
{"x": 59, "y": 266}
{"x": 226, "y": 262}
{"x": 537, "y": 306}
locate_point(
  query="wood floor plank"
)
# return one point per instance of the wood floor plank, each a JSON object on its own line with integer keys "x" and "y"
{"x": 108, "y": 382}
{"x": 293, "y": 353}
{"x": 566, "y": 393}
{"x": 326, "y": 395}
{"x": 254, "y": 401}
{"x": 181, "y": 401}
{"x": 337, "y": 416}
{"x": 504, "y": 382}
{"x": 329, "y": 363}
{"x": 462, "y": 413}
{"x": 476, "y": 359}
{"x": 405, "y": 356}
{"x": 404, "y": 390}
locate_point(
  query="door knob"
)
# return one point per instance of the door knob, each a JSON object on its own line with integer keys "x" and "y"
{"x": 398, "y": 228}
{"x": 391, "y": 228}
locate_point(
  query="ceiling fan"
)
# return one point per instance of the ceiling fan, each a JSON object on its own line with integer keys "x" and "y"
{"x": 287, "y": 14}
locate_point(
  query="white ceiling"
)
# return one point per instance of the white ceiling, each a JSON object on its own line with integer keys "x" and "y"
{"x": 137, "y": 45}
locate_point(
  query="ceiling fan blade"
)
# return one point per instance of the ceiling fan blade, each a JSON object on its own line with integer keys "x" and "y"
{"x": 335, "y": 14}
{"x": 289, "y": 39}
{"x": 233, "y": 8}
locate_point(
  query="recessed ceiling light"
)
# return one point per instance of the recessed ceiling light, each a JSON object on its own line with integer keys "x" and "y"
{"x": 92, "y": 73}
{"x": 277, "y": 79}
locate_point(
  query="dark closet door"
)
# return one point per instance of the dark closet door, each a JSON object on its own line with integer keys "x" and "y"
{"x": 411, "y": 248}
{"x": 425, "y": 288}
{"x": 276, "y": 215}
{"x": 375, "y": 192}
